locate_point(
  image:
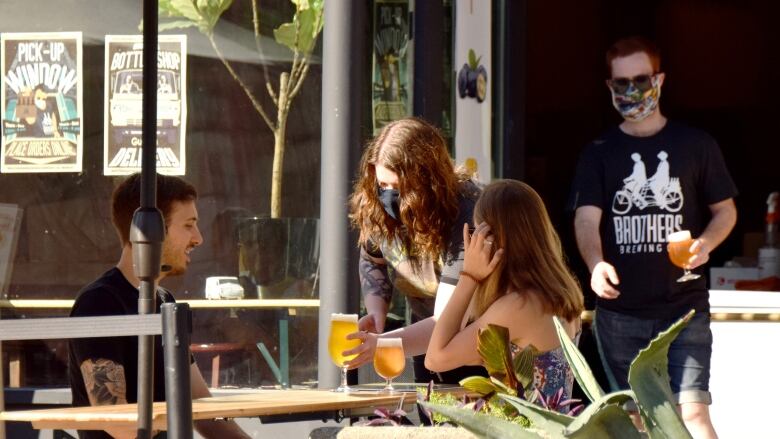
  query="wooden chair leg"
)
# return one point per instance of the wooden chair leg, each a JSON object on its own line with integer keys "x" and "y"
{"x": 15, "y": 368}
{"x": 215, "y": 371}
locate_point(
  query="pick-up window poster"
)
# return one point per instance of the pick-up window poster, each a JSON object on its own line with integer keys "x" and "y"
{"x": 124, "y": 98}
{"x": 41, "y": 102}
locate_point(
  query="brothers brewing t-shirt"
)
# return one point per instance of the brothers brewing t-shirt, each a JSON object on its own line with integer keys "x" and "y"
{"x": 647, "y": 188}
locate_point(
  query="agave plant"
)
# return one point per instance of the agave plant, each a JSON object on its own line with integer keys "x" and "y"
{"x": 605, "y": 417}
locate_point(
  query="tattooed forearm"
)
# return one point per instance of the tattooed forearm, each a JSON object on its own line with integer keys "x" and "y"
{"x": 105, "y": 381}
{"x": 373, "y": 278}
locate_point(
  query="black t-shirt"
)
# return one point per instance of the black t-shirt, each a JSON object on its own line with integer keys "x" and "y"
{"x": 647, "y": 188}
{"x": 112, "y": 294}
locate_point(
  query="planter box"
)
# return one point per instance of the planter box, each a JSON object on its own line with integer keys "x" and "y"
{"x": 391, "y": 432}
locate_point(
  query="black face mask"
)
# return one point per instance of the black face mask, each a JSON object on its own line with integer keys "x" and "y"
{"x": 389, "y": 199}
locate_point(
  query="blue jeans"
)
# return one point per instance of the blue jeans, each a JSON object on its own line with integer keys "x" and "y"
{"x": 620, "y": 337}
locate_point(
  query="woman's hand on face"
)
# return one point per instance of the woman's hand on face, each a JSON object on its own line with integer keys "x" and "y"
{"x": 480, "y": 260}
{"x": 364, "y": 352}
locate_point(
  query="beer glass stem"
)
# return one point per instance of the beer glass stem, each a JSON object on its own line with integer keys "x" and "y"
{"x": 344, "y": 387}
{"x": 389, "y": 385}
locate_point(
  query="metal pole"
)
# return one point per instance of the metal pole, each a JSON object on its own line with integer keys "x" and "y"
{"x": 343, "y": 61}
{"x": 148, "y": 229}
{"x": 510, "y": 54}
{"x": 2, "y": 391}
{"x": 176, "y": 348}
{"x": 428, "y": 64}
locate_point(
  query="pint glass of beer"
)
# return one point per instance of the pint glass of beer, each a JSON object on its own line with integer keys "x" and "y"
{"x": 340, "y": 326}
{"x": 680, "y": 253}
{"x": 389, "y": 360}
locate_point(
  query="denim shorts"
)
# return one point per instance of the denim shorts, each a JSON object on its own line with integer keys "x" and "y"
{"x": 620, "y": 337}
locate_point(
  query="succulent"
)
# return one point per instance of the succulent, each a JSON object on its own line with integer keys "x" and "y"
{"x": 605, "y": 417}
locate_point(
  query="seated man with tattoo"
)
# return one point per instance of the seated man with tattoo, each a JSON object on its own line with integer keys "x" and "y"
{"x": 104, "y": 371}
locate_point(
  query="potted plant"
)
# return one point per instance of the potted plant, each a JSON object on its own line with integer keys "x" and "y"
{"x": 274, "y": 252}
{"x": 605, "y": 417}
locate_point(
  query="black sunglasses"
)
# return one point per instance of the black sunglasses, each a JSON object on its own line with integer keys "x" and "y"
{"x": 642, "y": 83}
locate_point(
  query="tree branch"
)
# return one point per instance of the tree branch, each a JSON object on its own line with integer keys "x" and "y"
{"x": 271, "y": 93}
{"x": 235, "y": 76}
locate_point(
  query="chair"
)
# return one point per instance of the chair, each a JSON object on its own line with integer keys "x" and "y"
{"x": 216, "y": 350}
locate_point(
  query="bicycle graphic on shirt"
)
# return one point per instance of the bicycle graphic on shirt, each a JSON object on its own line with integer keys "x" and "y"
{"x": 659, "y": 190}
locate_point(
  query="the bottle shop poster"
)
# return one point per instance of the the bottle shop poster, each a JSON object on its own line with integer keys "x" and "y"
{"x": 391, "y": 93}
{"x": 41, "y": 102}
{"x": 123, "y": 104}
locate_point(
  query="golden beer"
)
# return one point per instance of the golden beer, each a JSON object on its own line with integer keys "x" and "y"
{"x": 680, "y": 248}
{"x": 680, "y": 253}
{"x": 389, "y": 359}
{"x": 340, "y": 326}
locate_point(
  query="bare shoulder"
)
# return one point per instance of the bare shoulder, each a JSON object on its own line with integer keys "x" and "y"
{"x": 104, "y": 381}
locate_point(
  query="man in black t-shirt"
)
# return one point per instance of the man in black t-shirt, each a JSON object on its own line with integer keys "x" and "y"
{"x": 634, "y": 186}
{"x": 103, "y": 371}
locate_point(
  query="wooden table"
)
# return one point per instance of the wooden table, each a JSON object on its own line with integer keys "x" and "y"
{"x": 277, "y": 405}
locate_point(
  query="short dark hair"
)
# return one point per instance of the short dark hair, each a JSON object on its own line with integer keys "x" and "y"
{"x": 631, "y": 45}
{"x": 127, "y": 198}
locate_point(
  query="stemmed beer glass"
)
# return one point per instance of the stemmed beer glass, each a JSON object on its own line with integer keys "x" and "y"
{"x": 680, "y": 253}
{"x": 340, "y": 326}
{"x": 389, "y": 360}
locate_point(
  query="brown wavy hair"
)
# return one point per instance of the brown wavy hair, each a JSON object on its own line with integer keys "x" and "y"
{"x": 533, "y": 261}
{"x": 428, "y": 187}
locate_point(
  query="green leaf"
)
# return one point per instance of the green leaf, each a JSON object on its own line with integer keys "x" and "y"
{"x": 186, "y": 9}
{"x": 483, "y": 426}
{"x": 480, "y": 385}
{"x": 472, "y": 59}
{"x": 493, "y": 347}
{"x": 609, "y": 421}
{"x": 579, "y": 366}
{"x": 523, "y": 365}
{"x": 502, "y": 387}
{"x": 541, "y": 418}
{"x": 301, "y": 40}
{"x": 179, "y": 24}
{"x": 649, "y": 379}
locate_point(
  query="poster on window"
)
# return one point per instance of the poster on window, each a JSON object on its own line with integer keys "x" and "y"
{"x": 124, "y": 98}
{"x": 10, "y": 221}
{"x": 472, "y": 64}
{"x": 41, "y": 102}
{"x": 391, "y": 93}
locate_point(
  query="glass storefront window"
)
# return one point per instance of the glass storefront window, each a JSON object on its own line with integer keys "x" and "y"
{"x": 65, "y": 238}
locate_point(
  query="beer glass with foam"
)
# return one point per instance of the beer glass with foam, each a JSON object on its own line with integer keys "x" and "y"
{"x": 340, "y": 326}
{"x": 680, "y": 253}
{"x": 389, "y": 360}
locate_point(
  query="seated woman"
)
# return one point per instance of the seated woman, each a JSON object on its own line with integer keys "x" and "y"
{"x": 514, "y": 275}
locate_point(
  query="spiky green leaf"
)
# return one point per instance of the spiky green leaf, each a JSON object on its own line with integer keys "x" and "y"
{"x": 609, "y": 421}
{"x": 649, "y": 379}
{"x": 483, "y": 426}
{"x": 593, "y": 414}
{"x": 547, "y": 420}
{"x": 579, "y": 366}
{"x": 493, "y": 347}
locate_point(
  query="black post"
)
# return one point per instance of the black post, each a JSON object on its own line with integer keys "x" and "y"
{"x": 510, "y": 55}
{"x": 343, "y": 52}
{"x": 428, "y": 66}
{"x": 176, "y": 348}
{"x": 148, "y": 229}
